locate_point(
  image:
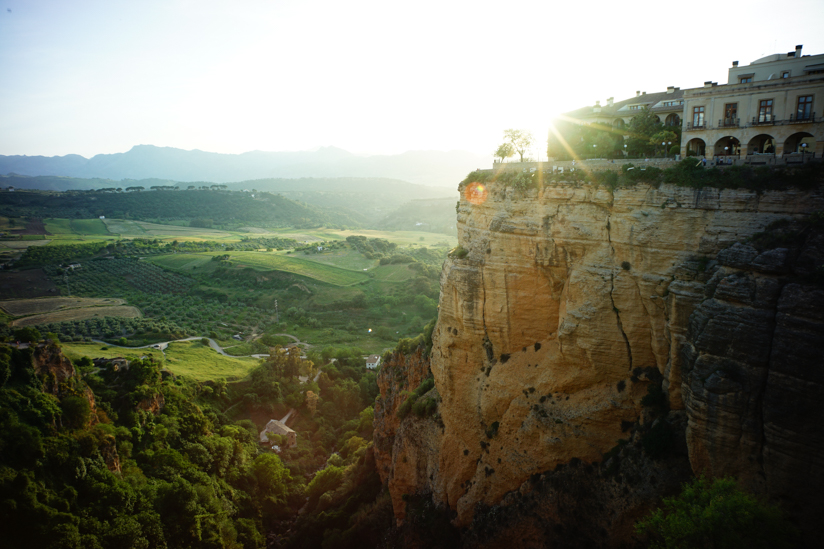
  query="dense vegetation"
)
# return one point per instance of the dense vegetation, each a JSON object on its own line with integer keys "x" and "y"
{"x": 687, "y": 173}
{"x": 716, "y": 513}
{"x": 153, "y": 461}
{"x": 204, "y": 208}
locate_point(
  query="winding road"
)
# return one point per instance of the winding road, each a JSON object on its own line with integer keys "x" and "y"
{"x": 212, "y": 343}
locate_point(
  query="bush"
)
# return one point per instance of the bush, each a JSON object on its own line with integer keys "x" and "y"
{"x": 716, "y": 514}
{"x": 458, "y": 253}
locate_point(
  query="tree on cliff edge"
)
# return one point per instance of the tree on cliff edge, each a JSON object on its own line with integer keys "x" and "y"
{"x": 505, "y": 151}
{"x": 520, "y": 140}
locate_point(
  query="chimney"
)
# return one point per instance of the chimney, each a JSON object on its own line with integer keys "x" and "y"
{"x": 597, "y": 103}
{"x": 734, "y": 64}
{"x": 637, "y": 93}
{"x": 670, "y": 89}
{"x": 643, "y": 93}
{"x": 798, "y": 50}
{"x": 610, "y": 101}
{"x": 708, "y": 84}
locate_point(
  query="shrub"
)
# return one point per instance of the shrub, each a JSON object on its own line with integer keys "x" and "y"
{"x": 716, "y": 514}
{"x": 458, "y": 253}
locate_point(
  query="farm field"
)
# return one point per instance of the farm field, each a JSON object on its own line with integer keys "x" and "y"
{"x": 349, "y": 259}
{"x": 122, "y": 311}
{"x": 26, "y": 284}
{"x": 67, "y": 231}
{"x": 393, "y": 273}
{"x": 75, "y": 351}
{"x": 263, "y": 261}
{"x": 143, "y": 229}
{"x": 21, "y": 307}
{"x": 399, "y": 237}
{"x": 193, "y": 359}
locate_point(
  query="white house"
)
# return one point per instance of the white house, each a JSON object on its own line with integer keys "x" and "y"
{"x": 373, "y": 361}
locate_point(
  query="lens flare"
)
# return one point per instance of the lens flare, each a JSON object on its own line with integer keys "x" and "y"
{"x": 476, "y": 193}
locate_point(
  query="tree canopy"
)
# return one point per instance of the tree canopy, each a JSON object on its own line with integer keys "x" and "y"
{"x": 716, "y": 513}
{"x": 520, "y": 140}
{"x": 505, "y": 150}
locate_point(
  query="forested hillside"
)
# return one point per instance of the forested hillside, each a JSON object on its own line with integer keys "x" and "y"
{"x": 110, "y": 456}
{"x": 203, "y": 207}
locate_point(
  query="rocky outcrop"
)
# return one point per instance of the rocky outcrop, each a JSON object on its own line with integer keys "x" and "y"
{"x": 560, "y": 302}
{"x": 59, "y": 376}
{"x": 406, "y": 451}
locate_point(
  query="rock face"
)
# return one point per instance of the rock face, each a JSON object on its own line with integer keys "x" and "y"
{"x": 406, "y": 453}
{"x": 60, "y": 377}
{"x": 752, "y": 376}
{"x": 561, "y": 300}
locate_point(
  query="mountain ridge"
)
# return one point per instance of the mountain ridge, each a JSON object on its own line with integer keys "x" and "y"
{"x": 434, "y": 168}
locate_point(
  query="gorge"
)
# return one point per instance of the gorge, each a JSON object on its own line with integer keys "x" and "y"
{"x": 598, "y": 346}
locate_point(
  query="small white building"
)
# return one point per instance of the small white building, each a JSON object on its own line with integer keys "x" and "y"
{"x": 373, "y": 361}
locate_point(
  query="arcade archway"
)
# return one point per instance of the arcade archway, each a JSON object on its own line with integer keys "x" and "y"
{"x": 696, "y": 147}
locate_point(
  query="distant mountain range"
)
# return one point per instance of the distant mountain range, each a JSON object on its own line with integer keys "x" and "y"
{"x": 434, "y": 168}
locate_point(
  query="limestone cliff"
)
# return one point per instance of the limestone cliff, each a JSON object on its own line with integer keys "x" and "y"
{"x": 562, "y": 303}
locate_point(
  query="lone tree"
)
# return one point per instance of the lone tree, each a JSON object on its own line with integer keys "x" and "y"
{"x": 519, "y": 139}
{"x": 505, "y": 151}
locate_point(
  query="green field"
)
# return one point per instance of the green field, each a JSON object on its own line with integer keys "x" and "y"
{"x": 93, "y": 227}
{"x": 349, "y": 259}
{"x": 393, "y": 273}
{"x": 268, "y": 261}
{"x": 193, "y": 359}
{"x": 188, "y": 358}
{"x": 95, "y": 350}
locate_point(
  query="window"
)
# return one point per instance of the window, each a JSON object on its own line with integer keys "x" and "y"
{"x": 765, "y": 113}
{"x": 730, "y": 112}
{"x": 673, "y": 103}
{"x": 785, "y": 74}
{"x": 745, "y": 80}
{"x": 697, "y": 117}
{"x": 805, "y": 108}
{"x": 635, "y": 107}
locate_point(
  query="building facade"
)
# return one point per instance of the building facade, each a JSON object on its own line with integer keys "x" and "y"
{"x": 766, "y": 113}
{"x": 667, "y": 106}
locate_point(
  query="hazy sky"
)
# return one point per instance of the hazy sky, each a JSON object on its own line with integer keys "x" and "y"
{"x": 378, "y": 77}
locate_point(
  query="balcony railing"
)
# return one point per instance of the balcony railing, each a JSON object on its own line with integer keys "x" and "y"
{"x": 803, "y": 119}
{"x": 728, "y": 122}
{"x": 761, "y": 120}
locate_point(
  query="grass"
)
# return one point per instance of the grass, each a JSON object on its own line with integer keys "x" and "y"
{"x": 193, "y": 359}
{"x": 94, "y": 227}
{"x": 75, "y": 351}
{"x": 264, "y": 261}
{"x": 122, "y": 311}
{"x": 22, "y": 307}
{"x": 349, "y": 259}
{"x": 393, "y": 273}
{"x": 186, "y": 262}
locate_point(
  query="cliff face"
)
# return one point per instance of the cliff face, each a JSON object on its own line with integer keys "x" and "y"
{"x": 566, "y": 303}
{"x": 752, "y": 376}
{"x": 406, "y": 452}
